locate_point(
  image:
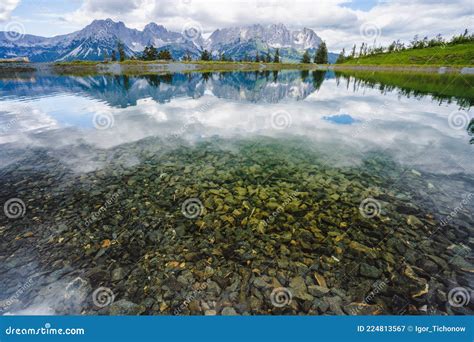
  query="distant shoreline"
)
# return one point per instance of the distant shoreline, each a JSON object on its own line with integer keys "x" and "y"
{"x": 162, "y": 67}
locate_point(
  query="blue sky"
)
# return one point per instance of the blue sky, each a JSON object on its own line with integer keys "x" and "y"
{"x": 41, "y": 17}
{"x": 339, "y": 22}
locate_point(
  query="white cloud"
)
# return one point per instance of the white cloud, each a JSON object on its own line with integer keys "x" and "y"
{"x": 336, "y": 21}
{"x": 6, "y": 8}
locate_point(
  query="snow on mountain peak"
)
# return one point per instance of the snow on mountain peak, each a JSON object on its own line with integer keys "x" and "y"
{"x": 275, "y": 35}
{"x": 100, "y": 38}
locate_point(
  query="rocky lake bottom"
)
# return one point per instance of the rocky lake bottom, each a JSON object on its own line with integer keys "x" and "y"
{"x": 256, "y": 226}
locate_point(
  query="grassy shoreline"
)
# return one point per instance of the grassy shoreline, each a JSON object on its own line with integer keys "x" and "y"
{"x": 445, "y": 55}
{"x": 153, "y": 67}
{"x": 130, "y": 67}
{"x": 426, "y": 69}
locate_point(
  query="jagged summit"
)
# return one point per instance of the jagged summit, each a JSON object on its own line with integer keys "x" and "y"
{"x": 100, "y": 38}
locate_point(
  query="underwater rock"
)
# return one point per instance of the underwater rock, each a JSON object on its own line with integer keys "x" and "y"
{"x": 360, "y": 248}
{"x": 429, "y": 266}
{"x": 363, "y": 309}
{"x": 118, "y": 274}
{"x": 462, "y": 264}
{"x": 262, "y": 282}
{"x": 124, "y": 307}
{"x": 318, "y": 291}
{"x": 414, "y": 221}
{"x": 369, "y": 271}
{"x": 320, "y": 279}
{"x": 439, "y": 261}
{"x": 228, "y": 311}
{"x": 335, "y": 305}
{"x": 299, "y": 289}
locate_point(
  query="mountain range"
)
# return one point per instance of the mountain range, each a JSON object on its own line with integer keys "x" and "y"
{"x": 100, "y": 39}
{"x": 124, "y": 91}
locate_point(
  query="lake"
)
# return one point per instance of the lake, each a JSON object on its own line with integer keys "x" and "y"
{"x": 288, "y": 192}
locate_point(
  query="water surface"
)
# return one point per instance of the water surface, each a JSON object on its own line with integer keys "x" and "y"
{"x": 251, "y": 193}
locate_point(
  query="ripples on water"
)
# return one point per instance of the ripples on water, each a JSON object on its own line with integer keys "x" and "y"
{"x": 212, "y": 190}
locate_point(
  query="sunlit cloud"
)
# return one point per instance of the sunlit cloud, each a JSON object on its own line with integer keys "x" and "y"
{"x": 6, "y": 8}
{"x": 338, "y": 22}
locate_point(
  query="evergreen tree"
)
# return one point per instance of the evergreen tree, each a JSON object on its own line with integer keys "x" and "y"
{"x": 306, "y": 57}
{"x": 341, "y": 57}
{"x": 164, "y": 55}
{"x": 187, "y": 57}
{"x": 121, "y": 51}
{"x": 145, "y": 53}
{"x": 415, "y": 43}
{"x": 321, "y": 56}
{"x": 257, "y": 58}
{"x": 361, "y": 50}
{"x": 153, "y": 53}
{"x": 113, "y": 57}
{"x": 277, "y": 56}
{"x": 205, "y": 56}
{"x": 392, "y": 46}
{"x": 150, "y": 53}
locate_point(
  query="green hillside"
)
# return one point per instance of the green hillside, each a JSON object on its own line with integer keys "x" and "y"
{"x": 460, "y": 55}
